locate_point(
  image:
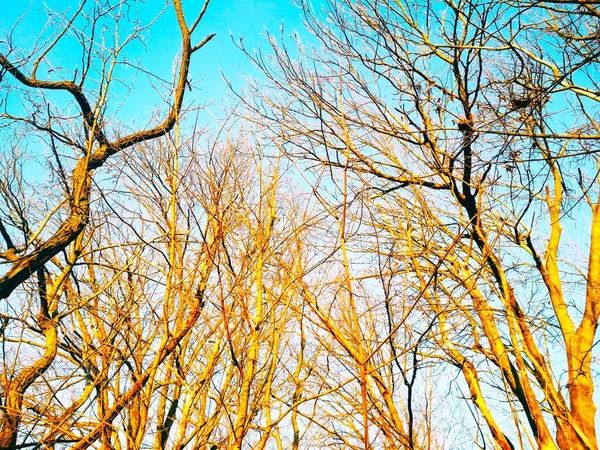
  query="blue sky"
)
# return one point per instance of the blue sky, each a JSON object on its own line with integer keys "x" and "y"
{"x": 248, "y": 19}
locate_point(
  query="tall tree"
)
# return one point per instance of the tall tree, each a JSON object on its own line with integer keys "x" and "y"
{"x": 470, "y": 130}
{"x": 44, "y": 217}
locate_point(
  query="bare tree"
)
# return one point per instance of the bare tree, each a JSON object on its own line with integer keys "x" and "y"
{"x": 44, "y": 235}
{"x": 94, "y": 144}
{"x": 470, "y": 128}
{"x": 180, "y": 324}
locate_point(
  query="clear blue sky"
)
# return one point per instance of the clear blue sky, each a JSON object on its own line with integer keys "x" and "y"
{"x": 243, "y": 18}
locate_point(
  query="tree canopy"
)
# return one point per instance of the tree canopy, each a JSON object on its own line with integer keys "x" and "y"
{"x": 392, "y": 240}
